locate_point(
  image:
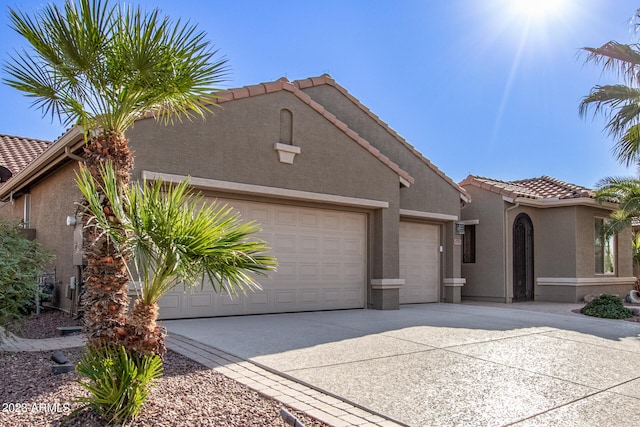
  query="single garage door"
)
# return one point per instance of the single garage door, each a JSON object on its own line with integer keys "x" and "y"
{"x": 419, "y": 262}
{"x": 322, "y": 265}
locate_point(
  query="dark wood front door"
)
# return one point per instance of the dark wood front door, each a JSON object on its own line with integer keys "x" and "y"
{"x": 522, "y": 258}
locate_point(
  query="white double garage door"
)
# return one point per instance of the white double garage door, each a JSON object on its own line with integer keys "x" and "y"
{"x": 322, "y": 264}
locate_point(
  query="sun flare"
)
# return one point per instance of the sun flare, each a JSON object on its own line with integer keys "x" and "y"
{"x": 537, "y": 10}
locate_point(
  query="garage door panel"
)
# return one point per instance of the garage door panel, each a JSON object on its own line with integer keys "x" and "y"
{"x": 419, "y": 262}
{"x": 285, "y": 216}
{"x": 309, "y": 219}
{"x": 322, "y": 265}
{"x": 330, "y": 271}
{"x": 287, "y": 271}
{"x": 284, "y": 298}
{"x": 285, "y": 244}
{"x": 261, "y": 215}
{"x": 331, "y": 222}
{"x": 353, "y": 223}
{"x": 258, "y": 298}
{"x": 309, "y": 245}
{"x": 331, "y": 246}
{"x": 309, "y": 297}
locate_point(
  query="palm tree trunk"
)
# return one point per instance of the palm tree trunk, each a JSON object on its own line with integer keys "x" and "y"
{"x": 143, "y": 335}
{"x": 105, "y": 299}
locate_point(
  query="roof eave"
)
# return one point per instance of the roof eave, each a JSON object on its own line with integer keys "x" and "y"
{"x": 556, "y": 203}
{"x": 51, "y": 157}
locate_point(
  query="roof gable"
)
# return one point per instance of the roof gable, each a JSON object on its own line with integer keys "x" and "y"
{"x": 283, "y": 84}
{"x": 325, "y": 79}
{"x": 17, "y": 152}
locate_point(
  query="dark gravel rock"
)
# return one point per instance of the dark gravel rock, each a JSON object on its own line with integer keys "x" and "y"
{"x": 44, "y": 325}
{"x": 188, "y": 394}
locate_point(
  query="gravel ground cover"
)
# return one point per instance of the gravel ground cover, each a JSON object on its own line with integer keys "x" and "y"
{"x": 44, "y": 325}
{"x": 188, "y": 394}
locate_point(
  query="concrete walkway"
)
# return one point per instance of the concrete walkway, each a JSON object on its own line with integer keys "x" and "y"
{"x": 444, "y": 364}
{"x": 12, "y": 343}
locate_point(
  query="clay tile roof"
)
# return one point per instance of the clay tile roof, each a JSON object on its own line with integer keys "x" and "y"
{"x": 17, "y": 152}
{"x": 541, "y": 188}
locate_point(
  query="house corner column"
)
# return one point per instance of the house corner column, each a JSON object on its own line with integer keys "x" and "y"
{"x": 384, "y": 287}
{"x": 452, "y": 282}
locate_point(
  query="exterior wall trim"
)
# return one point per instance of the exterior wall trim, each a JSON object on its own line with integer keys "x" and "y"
{"x": 428, "y": 215}
{"x": 404, "y": 182}
{"x": 555, "y": 203}
{"x": 261, "y": 190}
{"x": 387, "y": 283}
{"x": 286, "y": 152}
{"x": 454, "y": 281}
{"x": 584, "y": 281}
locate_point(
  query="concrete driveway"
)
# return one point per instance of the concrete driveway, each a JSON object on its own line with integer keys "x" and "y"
{"x": 450, "y": 365}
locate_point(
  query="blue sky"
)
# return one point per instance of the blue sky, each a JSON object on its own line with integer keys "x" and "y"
{"x": 476, "y": 85}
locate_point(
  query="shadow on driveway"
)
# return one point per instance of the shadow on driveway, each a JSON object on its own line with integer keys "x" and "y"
{"x": 445, "y": 364}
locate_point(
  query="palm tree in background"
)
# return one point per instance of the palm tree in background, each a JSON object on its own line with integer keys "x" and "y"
{"x": 619, "y": 103}
{"x": 626, "y": 192}
{"x": 102, "y": 67}
{"x": 174, "y": 238}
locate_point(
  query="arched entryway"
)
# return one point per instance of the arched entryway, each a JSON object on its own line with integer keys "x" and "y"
{"x": 523, "y": 258}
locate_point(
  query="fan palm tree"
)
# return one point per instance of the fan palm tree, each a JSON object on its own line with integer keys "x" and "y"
{"x": 626, "y": 192}
{"x": 102, "y": 67}
{"x": 620, "y": 103}
{"x": 173, "y": 238}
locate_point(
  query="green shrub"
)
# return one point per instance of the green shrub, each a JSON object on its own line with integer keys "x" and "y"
{"x": 118, "y": 383}
{"x": 607, "y": 306}
{"x": 21, "y": 262}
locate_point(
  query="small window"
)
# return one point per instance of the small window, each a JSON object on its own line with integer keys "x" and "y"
{"x": 26, "y": 215}
{"x": 469, "y": 244}
{"x": 604, "y": 249}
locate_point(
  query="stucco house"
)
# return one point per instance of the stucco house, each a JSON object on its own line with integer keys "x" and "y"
{"x": 355, "y": 215}
{"x": 539, "y": 239}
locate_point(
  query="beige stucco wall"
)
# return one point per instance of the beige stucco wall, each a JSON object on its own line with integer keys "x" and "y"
{"x": 586, "y": 236}
{"x": 555, "y": 240}
{"x": 563, "y": 249}
{"x": 52, "y": 200}
{"x": 237, "y": 145}
{"x": 430, "y": 193}
{"x": 485, "y": 279}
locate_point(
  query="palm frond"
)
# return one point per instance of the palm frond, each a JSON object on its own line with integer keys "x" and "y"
{"x": 104, "y": 66}
{"x": 175, "y": 237}
{"x": 626, "y": 192}
{"x": 622, "y": 59}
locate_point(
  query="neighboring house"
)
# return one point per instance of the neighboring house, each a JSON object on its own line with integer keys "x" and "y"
{"x": 355, "y": 215}
{"x": 539, "y": 239}
{"x": 16, "y": 153}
